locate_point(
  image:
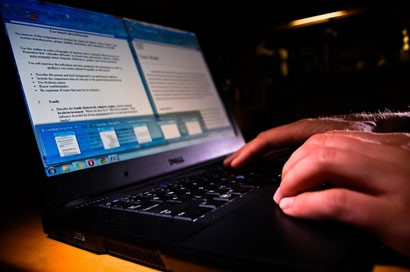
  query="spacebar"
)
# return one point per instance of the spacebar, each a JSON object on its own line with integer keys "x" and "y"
{"x": 189, "y": 210}
{"x": 193, "y": 213}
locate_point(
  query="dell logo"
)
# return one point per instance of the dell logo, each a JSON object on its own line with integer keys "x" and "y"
{"x": 176, "y": 160}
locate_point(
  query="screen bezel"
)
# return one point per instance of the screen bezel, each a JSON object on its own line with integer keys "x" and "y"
{"x": 58, "y": 190}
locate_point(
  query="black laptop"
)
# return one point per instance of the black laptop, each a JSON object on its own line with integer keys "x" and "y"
{"x": 131, "y": 133}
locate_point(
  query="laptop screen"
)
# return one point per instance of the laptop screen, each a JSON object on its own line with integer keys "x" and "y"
{"x": 102, "y": 89}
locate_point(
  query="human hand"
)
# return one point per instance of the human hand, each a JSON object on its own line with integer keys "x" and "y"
{"x": 369, "y": 174}
{"x": 291, "y": 135}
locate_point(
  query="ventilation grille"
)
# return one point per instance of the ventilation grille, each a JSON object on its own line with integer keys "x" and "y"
{"x": 134, "y": 253}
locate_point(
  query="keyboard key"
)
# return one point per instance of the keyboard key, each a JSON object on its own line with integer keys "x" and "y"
{"x": 190, "y": 198}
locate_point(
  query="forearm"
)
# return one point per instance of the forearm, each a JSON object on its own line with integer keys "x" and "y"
{"x": 386, "y": 121}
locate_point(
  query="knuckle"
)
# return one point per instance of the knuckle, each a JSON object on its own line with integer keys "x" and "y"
{"x": 326, "y": 155}
{"x": 262, "y": 135}
{"x": 323, "y": 146}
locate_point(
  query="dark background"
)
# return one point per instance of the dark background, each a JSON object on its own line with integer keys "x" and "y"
{"x": 346, "y": 65}
{"x": 342, "y": 66}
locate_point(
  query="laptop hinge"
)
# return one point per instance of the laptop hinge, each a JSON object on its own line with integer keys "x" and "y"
{"x": 77, "y": 202}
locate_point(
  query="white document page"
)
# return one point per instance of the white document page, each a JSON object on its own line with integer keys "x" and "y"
{"x": 70, "y": 76}
{"x": 179, "y": 81}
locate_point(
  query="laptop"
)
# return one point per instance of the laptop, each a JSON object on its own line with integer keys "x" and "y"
{"x": 130, "y": 131}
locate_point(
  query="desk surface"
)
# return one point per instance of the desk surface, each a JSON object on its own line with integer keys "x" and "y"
{"x": 24, "y": 247}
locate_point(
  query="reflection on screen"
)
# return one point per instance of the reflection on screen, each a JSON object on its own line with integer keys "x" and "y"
{"x": 102, "y": 89}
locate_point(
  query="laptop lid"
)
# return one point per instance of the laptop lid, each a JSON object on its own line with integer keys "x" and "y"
{"x": 113, "y": 101}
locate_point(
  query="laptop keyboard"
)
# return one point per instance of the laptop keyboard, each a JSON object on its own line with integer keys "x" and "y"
{"x": 191, "y": 198}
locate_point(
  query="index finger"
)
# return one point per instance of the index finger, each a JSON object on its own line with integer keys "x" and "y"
{"x": 269, "y": 141}
{"x": 287, "y": 136}
{"x": 346, "y": 159}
